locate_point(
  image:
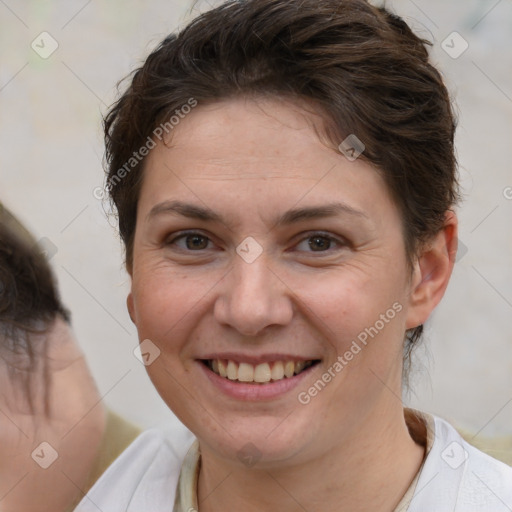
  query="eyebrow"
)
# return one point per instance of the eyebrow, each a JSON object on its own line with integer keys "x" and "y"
{"x": 193, "y": 211}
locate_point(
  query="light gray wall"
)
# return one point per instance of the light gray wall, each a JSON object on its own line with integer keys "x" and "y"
{"x": 50, "y": 163}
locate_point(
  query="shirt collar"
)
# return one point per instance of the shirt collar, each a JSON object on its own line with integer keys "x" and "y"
{"x": 186, "y": 493}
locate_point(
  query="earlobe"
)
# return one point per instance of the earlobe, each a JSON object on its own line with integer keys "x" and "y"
{"x": 432, "y": 272}
{"x": 130, "y": 307}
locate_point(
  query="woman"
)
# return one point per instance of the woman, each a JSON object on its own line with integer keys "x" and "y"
{"x": 285, "y": 180}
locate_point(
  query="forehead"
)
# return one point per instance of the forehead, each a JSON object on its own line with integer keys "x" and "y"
{"x": 252, "y": 132}
{"x": 264, "y": 150}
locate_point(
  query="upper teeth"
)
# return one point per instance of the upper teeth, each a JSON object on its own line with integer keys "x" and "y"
{"x": 264, "y": 372}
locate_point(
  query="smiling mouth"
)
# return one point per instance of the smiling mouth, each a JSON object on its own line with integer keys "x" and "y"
{"x": 264, "y": 373}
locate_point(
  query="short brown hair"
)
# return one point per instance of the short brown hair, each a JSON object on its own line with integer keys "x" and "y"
{"x": 361, "y": 65}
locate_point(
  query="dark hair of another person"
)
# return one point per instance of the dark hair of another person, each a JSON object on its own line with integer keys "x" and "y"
{"x": 29, "y": 304}
{"x": 360, "y": 66}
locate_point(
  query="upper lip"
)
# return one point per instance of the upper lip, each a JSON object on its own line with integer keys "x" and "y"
{"x": 257, "y": 359}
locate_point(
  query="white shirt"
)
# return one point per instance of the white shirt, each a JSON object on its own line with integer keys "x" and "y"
{"x": 158, "y": 473}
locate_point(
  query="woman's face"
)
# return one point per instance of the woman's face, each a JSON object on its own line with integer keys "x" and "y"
{"x": 257, "y": 244}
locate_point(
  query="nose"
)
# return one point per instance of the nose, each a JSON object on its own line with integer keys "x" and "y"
{"x": 253, "y": 297}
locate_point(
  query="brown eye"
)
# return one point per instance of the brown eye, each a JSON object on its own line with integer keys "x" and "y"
{"x": 193, "y": 241}
{"x": 320, "y": 242}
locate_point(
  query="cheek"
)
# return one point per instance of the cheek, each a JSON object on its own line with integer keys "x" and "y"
{"x": 347, "y": 299}
{"x": 169, "y": 308}
{"x": 166, "y": 307}
{"x": 353, "y": 306}
{"x": 163, "y": 299}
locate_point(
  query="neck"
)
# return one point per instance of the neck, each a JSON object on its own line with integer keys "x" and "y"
{"x": 369, "y": 469}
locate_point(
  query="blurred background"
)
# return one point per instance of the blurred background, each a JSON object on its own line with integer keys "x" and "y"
{"x": 59, "y": 65}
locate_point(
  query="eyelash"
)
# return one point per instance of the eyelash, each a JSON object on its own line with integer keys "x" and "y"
{"x": 317, "y": 234}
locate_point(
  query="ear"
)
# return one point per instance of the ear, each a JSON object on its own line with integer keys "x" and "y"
{"x": 131, "y": 307}
{"x": 432, "y": 271}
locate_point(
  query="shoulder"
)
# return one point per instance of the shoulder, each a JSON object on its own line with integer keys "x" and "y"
{"x": 456, "y": 476}
{"x": 144, "y": 476}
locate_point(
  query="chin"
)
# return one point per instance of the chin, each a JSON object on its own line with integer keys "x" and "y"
{"x": 261, "y": 444}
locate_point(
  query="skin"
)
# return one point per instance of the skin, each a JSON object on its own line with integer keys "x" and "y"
{"x": 74, "y": 427}
{"x": 250, "y": 160}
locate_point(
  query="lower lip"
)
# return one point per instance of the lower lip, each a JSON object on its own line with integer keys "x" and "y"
{"x": 255, "y": 392}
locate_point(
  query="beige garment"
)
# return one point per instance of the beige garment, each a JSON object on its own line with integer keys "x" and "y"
{"x": 421, "y": 427}
{"x": 118, "y": 435}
